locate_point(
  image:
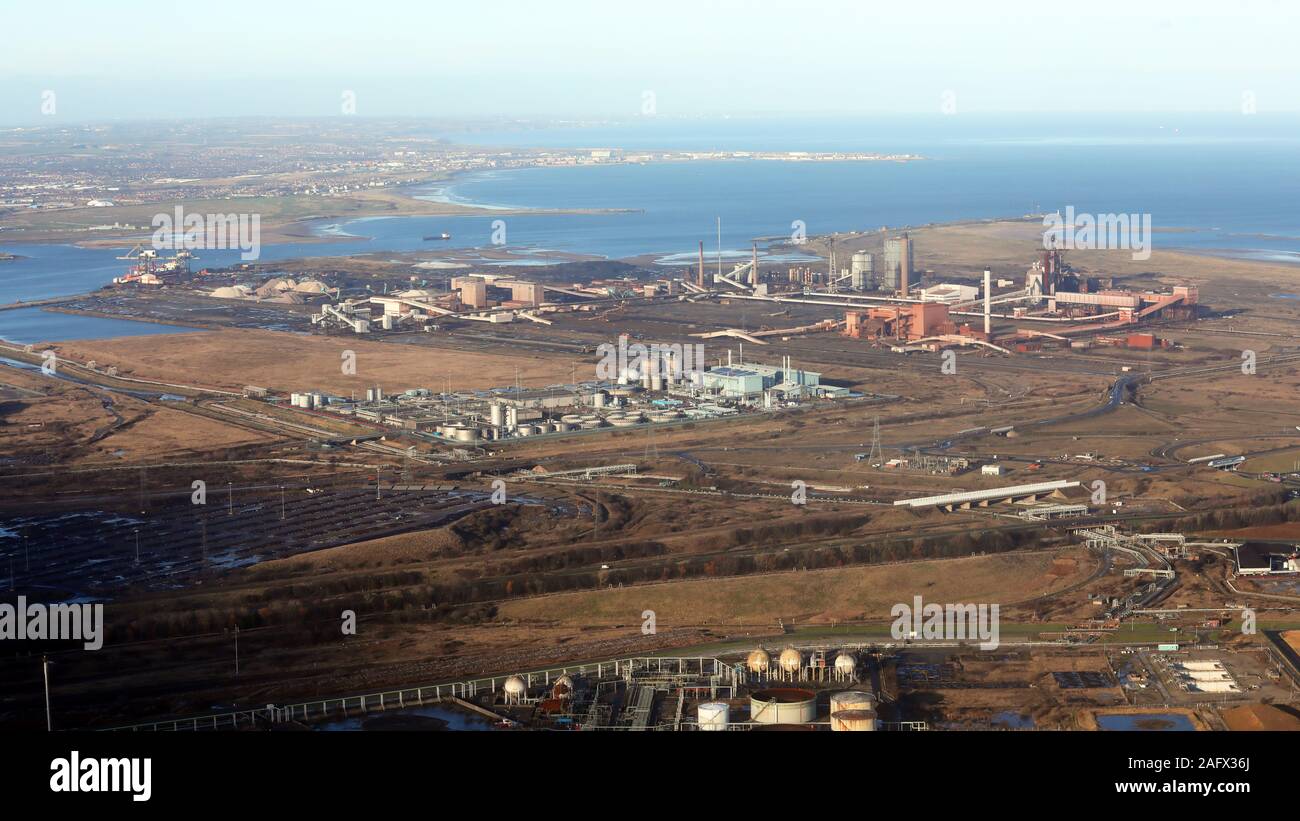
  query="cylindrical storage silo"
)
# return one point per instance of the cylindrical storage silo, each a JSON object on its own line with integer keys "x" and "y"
{"x": 783, "y": 705}
{"x": 713, "y": 716}
{"x": 852, "y": 700}
{"x": 854, "y": 721}
{"x": 498, "y": 415}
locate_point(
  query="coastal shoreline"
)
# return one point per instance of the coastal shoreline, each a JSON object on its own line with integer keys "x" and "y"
{"x": 298, "y": 229}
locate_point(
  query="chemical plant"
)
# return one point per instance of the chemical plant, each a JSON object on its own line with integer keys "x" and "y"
{"x": 654, "y": 389}
{"x": 800, "y": 689}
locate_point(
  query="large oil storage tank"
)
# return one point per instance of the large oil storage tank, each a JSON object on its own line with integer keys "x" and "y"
{"x": 852, "y": 700}
{"x": 854, "y": 721}
{"x": 759, "y": 661}
{"x": 783, "y": 705}
{"x": 713, "y": 716}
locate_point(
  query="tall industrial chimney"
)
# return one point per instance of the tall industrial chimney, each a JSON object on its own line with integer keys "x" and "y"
{"x": 905, "y": 266}
{"x": 988, "y": 304}
{"x": 701, "y": 278}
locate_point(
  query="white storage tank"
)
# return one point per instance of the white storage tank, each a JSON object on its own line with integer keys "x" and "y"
{"x": 515, "y": 690}
{"x": 852, "y": 700}
{"x": 791, "y": 660}
{"x": 759, "y": 661}
{"x": 853, "y": 721}
{"x": 713, "y": 716}
{"x": 783, "y": 705}
{"x": 846, "y": 664}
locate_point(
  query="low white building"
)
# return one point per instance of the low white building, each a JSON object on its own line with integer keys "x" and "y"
{"x": 949, "y": 293}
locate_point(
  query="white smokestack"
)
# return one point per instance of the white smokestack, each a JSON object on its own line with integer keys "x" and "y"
{"x": 988, "y": 304}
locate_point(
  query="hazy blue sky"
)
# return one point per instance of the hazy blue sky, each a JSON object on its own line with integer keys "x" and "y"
{"x": 574, "y": 58}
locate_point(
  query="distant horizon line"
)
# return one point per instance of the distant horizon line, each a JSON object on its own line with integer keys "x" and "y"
{"x": 59, "y": 121}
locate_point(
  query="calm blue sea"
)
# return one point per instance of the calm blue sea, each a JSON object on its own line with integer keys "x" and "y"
{"x": 1231, "y": 182}
{"x": 27, "y": 326}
